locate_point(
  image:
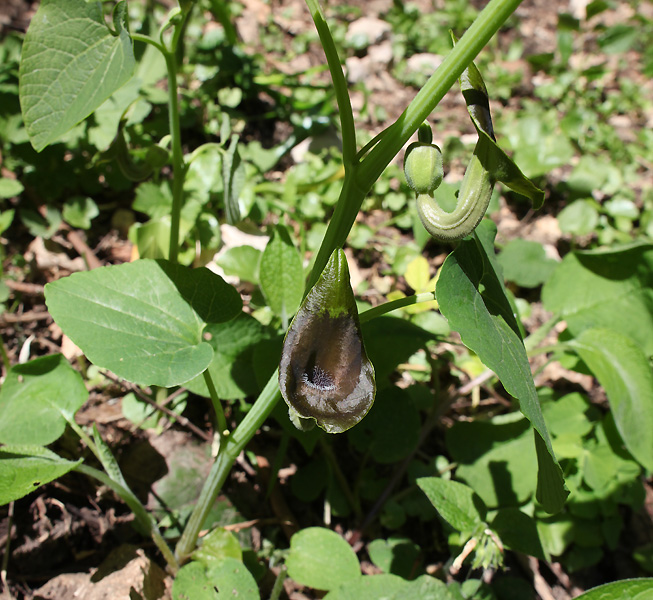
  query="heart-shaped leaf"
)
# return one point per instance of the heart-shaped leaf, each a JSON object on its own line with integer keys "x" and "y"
{"x": 143, "y": 320}
{"x": 70, "y": 64}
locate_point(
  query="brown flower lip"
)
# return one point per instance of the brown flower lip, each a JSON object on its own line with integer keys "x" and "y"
{"x": 324, "y": 373}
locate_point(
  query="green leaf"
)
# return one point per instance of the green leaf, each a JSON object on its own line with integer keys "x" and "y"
{"x": 143, "y": 320}
{"x": 78, "y": 211}
{"x": 390, "y": 431}
{"x": 472, "y": 297}
{"x": 625, "y": 373}
{"x": 153, "y": 200}
{"x": 152, "y": 238}
{"x": 503, "y": 169}
{"x": 457, "y": 503}
{"x": 231, "y": 579}
{"x": 518, "y": 532}
{"x": 525, "y": 263}
{"x": 418, "y": 274}
{"x": 281, "y": 274}
{"x": 496, "y": 458}
{"x": 324, "y": 373}
{"x": 424, "y": 588}
{"x": 579, "y": 218}
{"x": 633, "y": 589}
{"x": 241, "y": 262}
{"x": 371, "y": 587}
{"x": 216, "y": 546}
{"x": 233, "y": 172}
{"x": 390, "y": 341}
{"x": 232, "y": 365}
{"x": 570, "y": 414}
{"x": 319, "y": 558}
{"x": 605, "y": 288}
{"x": 10, "y": 187}
{"x": 24, "y": 468}
{"x": 108, "y": 115}
{"x": 191, "y": 582}
{"x": 71, "y": 63}
{"x": 6, "y": 218}
{"x": 538, "y": 144}
{"x": 37, "y": 399}
{"x": 395, "y": 555}
{"x": 494, "y": 159}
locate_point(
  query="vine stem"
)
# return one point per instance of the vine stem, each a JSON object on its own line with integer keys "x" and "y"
{"x": 464, "y": 52}
{"x": 386, "y": 307}
{"x": 144, "y": 518}
{"x": 347, "y": 125}
{"x": 178, "y": 167}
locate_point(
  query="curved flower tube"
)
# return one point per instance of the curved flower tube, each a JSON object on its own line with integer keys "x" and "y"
{"x": 324, "y": 373}
{"x": 473, "y": 200}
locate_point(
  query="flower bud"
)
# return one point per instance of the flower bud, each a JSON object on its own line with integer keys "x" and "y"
{"x": 423, "y": 167}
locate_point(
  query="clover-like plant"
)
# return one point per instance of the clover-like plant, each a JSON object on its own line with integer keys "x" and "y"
{"x": 324, "y": 374}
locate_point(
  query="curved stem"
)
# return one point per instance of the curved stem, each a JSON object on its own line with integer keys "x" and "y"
{"x": 142, "y": 516}
{"x": 359, "y": 178}
{"x": 386, "y": 307}
{"x": 139, "y": 37}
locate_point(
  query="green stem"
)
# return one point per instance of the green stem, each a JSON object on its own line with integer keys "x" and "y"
{"x": 339, "y": 84}
{"x": 386, "y": 307}
{"x": 217, "y": 405}
{"x": 225, "y": 460}
{"x": 142, "y": 516}
{"x": 178, "y": 167}
{"x": 84, "y": 437}
{"x": 5, "y": 357}
{"x": 275, "y": 594}
{"x": 351, "y": 198}
{"x": 139, "y": 37}
{"x": 337, "y": 471}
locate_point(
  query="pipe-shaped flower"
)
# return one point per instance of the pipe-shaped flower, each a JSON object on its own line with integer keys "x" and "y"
{"x": 324, "y": 373}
